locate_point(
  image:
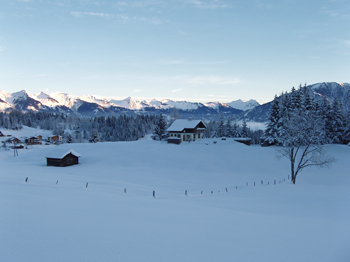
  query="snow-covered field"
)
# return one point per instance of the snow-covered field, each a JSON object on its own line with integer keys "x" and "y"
{"x": 44, "y": 221}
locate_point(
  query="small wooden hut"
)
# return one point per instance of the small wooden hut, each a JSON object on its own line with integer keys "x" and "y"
{"x": 243, "y": 140}
{"x": 62, "y": 158}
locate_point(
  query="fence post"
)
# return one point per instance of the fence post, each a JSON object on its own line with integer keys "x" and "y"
{"x": 212, "y": 192}
{"x": 185, "y": 192}
{"x": 26, "y": 179}
{"x": 202, "y": 192}
{"x": 154, "y": 193}
{"x": 246, "y": 183}
{"x": 56, "y": 182}
{"x": 124, "y": 190}
{"x": 226, "y": 189}
{"x": 254, "y": 183}
{"x": 274, "y": 182}
{"x": 262, "y": 182}
{"x": 87, "y": 185}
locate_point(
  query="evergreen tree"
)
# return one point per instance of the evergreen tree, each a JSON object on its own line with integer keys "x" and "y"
{"x": 272, "y": 131}
{"x": 229, "y": 129}
{"x": 236, "y": 130}
{"x": 94, "y": 138}
{"x": 69, "y": 138}
{"x": 245, "y": 130}
{"x": 221, "y": 130}
{"x": 160, "y": 128}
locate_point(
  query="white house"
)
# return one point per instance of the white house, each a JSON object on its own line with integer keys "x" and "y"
{"x": 186, "y": 129}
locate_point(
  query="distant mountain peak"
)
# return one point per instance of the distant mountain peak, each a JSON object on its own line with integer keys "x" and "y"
{"x": 241, "y": 105}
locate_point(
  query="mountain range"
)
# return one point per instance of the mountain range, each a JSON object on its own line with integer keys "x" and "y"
{"x": 90, "y": 106}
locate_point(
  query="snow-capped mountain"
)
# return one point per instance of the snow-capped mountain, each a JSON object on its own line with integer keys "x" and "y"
{"x": 241, "y": 105}
{"x": 89, "y": 105}
{"x": 131, "y": 103}
{"x": 333, "y": 90}
{"x": 46, "y": 100}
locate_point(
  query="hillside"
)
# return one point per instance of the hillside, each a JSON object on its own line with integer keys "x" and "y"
{"x": 67, "y": 221}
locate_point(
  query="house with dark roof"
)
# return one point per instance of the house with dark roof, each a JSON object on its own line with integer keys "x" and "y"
{"x": 186, "y": 130}
{"x": 62, "y": 158}
{"x": 34, "y": 140}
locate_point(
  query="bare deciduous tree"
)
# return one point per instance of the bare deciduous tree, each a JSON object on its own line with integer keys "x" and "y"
{"x": 302, "y": 139}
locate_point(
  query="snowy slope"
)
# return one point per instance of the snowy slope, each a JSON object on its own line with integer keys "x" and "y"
{"x": 130, "y": 103}
{"x": 67, "y": 221}
{"x": 64, "y": 99}
{"x": 46, "y": 99}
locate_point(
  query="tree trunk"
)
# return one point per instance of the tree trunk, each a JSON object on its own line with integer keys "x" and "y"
{"x": 292, "y": 162}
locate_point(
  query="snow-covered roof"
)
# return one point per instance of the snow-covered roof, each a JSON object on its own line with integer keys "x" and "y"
{"x": 181, "y": 124}
{"x": 61, "y": 153}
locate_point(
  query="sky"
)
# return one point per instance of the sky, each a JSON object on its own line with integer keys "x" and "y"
{"x": 194, "y": 50}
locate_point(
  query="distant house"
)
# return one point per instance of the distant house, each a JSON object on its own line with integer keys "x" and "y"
{"x": 34, "y": 140}
{"x": 17, "y": 143}
{"x": 186, "y": 130}
{"x": 62, "y": 158}
{"x": 243, "y": 140}
{"x": 54, "y": 139}
{"x": 1, "y": 134}
{"x": 15, "y": 140}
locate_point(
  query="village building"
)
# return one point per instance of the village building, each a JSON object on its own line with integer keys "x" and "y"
{"x": 15, "y": 140}
{"x": 54, "y": 139}
{"x": 1, "y": 134}
{"x": 34, "y": 140}
{"x": 17, "y": 143}
{"x": 185, "y": 130}
{"x": 62, "y": 158}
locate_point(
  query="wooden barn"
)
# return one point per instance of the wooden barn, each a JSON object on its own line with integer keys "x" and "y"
{"x": 243, "y": 140}
{"x": 62, "y": 158}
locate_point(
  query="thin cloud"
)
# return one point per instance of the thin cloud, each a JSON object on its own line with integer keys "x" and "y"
{"x": 82, "y": 14}
{"x": 211, "y": 4}
{"x": 184, "y": 62}
{"x": 137, "y": 90}
{"x": 127, "y": 18}
{"x": 345, "y": 42}
{"x": 213, "y": 80}
{"x": 339, "y": 13}
{"x": 2, "y": 48}
{"x": 176, "y": 90}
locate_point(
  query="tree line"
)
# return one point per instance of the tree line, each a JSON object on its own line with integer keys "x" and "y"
{"x": 80, "y": 129}
{"x": 331, "y": 115}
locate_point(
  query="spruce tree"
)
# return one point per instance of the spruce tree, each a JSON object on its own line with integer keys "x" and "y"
{"x": 271, "y": 132}
{"x": 160, "y": 128}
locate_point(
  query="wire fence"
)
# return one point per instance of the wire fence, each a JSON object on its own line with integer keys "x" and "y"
{"x": 163, "y": 193}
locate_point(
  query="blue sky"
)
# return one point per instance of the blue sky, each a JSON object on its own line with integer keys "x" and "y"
{"x": 195, "y": 50}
